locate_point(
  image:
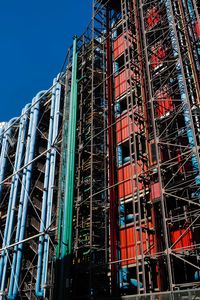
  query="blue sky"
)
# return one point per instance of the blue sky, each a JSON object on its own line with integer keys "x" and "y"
{"x": 34, "y": 37}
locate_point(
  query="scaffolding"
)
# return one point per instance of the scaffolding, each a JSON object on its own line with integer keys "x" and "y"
{"x": 99, "y": 177}
{"x": 90, "y": 210}
{"x": 157, "y": 117}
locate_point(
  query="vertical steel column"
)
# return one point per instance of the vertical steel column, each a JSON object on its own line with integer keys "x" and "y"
{"x": 163, "y": 208}
{"x": 112, "y": 192}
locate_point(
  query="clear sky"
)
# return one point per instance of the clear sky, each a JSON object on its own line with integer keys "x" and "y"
{"x": 34, "y": 37}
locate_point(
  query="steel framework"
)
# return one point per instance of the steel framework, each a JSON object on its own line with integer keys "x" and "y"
{"x": 30, "y": 155}
{"x": 99, "y": 176}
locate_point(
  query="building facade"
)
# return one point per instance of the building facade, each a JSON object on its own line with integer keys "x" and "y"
{"x": 100, "y": 175}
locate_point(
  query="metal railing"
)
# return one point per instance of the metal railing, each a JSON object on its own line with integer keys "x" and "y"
{"x": 190, "y": 294}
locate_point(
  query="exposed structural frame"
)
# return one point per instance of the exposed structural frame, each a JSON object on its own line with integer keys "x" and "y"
{"x": 90, "y": 246}
{"x": 30, "y": 155}
{"x": 159, "y": 96}
{"x": 100, "y": 174}
{"x": 167, "y": 57}
{"x": 171, "y": 166}
{"x": 169, "y": 133}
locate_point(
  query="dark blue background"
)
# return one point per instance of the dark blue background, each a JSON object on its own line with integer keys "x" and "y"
{"x": 34, "y": 37}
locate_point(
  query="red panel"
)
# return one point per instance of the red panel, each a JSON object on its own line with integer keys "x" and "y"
{"x": 155, "y": 191}
{"x": 126, "y": 188}
{"x": 128, "y": 245}
{"x": 184, "y": 242}
{"x": 124, "y": 127}
{"x": 122, "y": 82}
{"x": 164, "y": 103}
{"x": 120, "y": 44}
{"x": 152, "y": 18}
{"x": 159, "y": 54}
{"x": 197, "y": 28}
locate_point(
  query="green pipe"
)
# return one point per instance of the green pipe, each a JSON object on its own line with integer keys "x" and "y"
{"x": 66, "y": 241}
{"x": 63, "y": 165}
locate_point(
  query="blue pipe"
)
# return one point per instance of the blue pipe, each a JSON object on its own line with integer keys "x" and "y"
{"x": 4, "y": 149}
{"x": 122, "y": 215}
{"x": 22, "y": 213}
{"x": 1, "y": 141}
{"x": 191, "y": 11}
{"x": 116, "y": 67}
{"x": 186, "y": 67}
{"x": 126, "y": 282}
{"x": 1, "y": 135}
{"x": 13, "y": 196}
{"x": 51, "y": 184}
{"x": 39, "y": 291}
{"x": 3, "y": 145}
{"x": 123, "y": 277}
{"x": 23, "y": 183}
{"x": 120, "y": 155}
{"x": 186, "y": 114}
{"x": 47, "y": 181}
{"x": 130, "y": 218}
{"x": 117, "y": 109}
{"x": 197, "y": 275}
{"x": 134, "y": 282}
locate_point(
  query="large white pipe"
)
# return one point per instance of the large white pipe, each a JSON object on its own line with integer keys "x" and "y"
{"x": 13, "y": 196}
{"x": 24, "y": 197}
{"x": 38, "y": 288}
